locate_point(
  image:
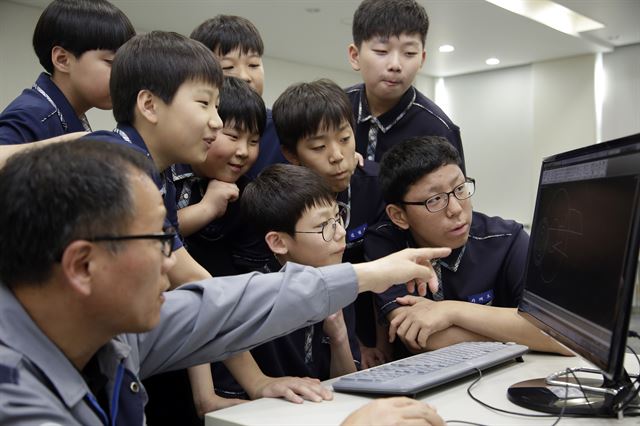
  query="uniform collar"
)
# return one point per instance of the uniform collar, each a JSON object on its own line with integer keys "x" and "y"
{"x": 387, "y": 120}
{"x": 20, "y": 333}
{"x": 68, "y": 117}
{"x": 451, "y": 262}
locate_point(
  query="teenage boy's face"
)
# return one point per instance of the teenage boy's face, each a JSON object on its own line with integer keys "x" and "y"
{"x": 89, "y": 76}
{"x": 330, "y": 153}
{"x": 446, "y": 228}
{"x": 230, "y": 156}
{"x": 189, "y": 124}
{"x": 388, "y": 65}
{"x": 245, "y": 67}
{"x": 312, "y": 249}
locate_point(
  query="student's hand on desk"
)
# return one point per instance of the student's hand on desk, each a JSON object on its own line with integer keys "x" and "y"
{"x": 371, "y": 357}
{"x": 418, "y": 320}
{"x": 219, "y": 194}
{"x": 294, "y": 389}
{"x": 214, "y": 402}
{"x": 394, "y": 411}
{"x": 410, "y": 266}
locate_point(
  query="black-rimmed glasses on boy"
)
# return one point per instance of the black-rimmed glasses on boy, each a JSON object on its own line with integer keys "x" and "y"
{"x": 166, "y": 238}
{"x": 328, "y": 230}
{"x": 440, "y": 201}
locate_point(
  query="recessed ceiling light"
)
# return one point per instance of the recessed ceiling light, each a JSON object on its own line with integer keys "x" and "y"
{"x": 446, "y": 48}
{"x": 550, "y": 14}
{"x": 492, "y": 61}
{"x": 312, "y": 9}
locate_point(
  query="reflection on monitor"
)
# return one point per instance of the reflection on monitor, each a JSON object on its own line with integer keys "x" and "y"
{"x": 581, "y": 270}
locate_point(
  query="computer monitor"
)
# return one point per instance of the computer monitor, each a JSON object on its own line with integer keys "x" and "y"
{"x": 581, "y": 271}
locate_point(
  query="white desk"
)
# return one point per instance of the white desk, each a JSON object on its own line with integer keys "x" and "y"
{"x": 451, "y": 401}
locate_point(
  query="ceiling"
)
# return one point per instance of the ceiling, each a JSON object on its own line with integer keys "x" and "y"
{"x": 317, "y": 32}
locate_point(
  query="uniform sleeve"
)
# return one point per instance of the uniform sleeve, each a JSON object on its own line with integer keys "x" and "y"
{"x": 213, "y": 319}
{"x": 514, "y": 267}
{"x": 16, "y": 127}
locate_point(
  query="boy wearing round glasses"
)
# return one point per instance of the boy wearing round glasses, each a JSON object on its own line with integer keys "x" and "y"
{"x": 296, "y": 212}
{"x": 429, "y": 203}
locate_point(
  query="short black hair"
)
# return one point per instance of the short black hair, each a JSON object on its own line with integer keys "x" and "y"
{"x": 45, "y": 209}
{"x": 160, "y": 62}
{"x": 241, "y": 106}
{"x": 410, "y": 160}
{"x": 279, "y": 196}
{"x": 224, "y": 33}
{"x": 79, "y": 26}
{"x": 388, "y": 18}
{"x": 303, "y": 109}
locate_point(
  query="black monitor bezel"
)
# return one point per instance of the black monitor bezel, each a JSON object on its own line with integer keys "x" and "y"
{"x": 613, "y": 366}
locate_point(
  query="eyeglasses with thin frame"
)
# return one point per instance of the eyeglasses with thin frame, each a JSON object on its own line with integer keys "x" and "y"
{"x": 328, "y": 230}
{"x": 440, "y": 201}
{"x": 166, "y": 238}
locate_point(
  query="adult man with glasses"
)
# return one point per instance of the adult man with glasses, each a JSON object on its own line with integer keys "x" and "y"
{"x": 428, "y": 202}
{"x": 83, "y": 273}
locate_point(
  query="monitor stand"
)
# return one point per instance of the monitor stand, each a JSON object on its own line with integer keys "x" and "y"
{"x": 591, "y": 397}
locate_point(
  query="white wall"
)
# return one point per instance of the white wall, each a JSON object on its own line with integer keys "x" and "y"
{"x": 495, "y": 113}
{"x": 621, "y": 106}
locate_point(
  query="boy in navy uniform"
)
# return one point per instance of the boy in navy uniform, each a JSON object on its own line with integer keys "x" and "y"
{"x": 166, "y": 107}
{"x": 237, "y": 44}
{"x": 389, "y": 38}
{"x": 314, "y": 123}
{"x": 87, "y": 316}
{"x": 428, "y": 202}
{"x": 208, "y": 193}
{"x": 296, "y": 212}
{"x": 75, "y": 41}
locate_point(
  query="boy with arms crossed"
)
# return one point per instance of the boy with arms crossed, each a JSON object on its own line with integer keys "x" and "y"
{"x": 428, "y": 202}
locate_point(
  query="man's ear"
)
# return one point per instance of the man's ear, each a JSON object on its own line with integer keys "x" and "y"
{"x": 75, "y": 263}
{"x": 424, "y": 57}
{"x": 397, "y": 216}
{"x": 290, "y": 156}
{"x": 61, "y": 59}
{"x": 147, "y": 106}
{"x": 354, "y": 57}
{"x": 276, "y": 242}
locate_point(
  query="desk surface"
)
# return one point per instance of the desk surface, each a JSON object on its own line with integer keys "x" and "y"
{"x": 451, "y": 401}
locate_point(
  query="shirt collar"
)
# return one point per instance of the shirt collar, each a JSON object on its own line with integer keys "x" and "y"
{"x": 451, "y": 262}
{"x": 20, "y": 333}
{"x": 70, "y": 121}
{"x": 387, "y": 120}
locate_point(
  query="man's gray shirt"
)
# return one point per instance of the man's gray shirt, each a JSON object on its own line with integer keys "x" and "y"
{"x": 200, "y": 322}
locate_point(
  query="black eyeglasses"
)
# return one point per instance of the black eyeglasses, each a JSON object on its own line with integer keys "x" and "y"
{"x": 166, "y": 238}
{"x": 441, "y": 201}
{"x": 328, "y": 230}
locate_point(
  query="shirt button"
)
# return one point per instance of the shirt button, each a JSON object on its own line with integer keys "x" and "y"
{"x": 185, "y": 196}
{"x": 135, "y": 387}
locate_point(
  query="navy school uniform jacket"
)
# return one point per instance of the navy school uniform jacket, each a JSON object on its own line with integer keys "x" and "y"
{"x": 270, "y": 152}
{"x": 413, "y": 115}
{"x": 41, "y": 112}
{"x": 488, "y": 269}
{"x": 127, "y": 135}
{"x": 227, "y": 245}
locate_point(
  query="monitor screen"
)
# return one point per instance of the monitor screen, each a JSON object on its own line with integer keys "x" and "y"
{"x": 583, "y": 252}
